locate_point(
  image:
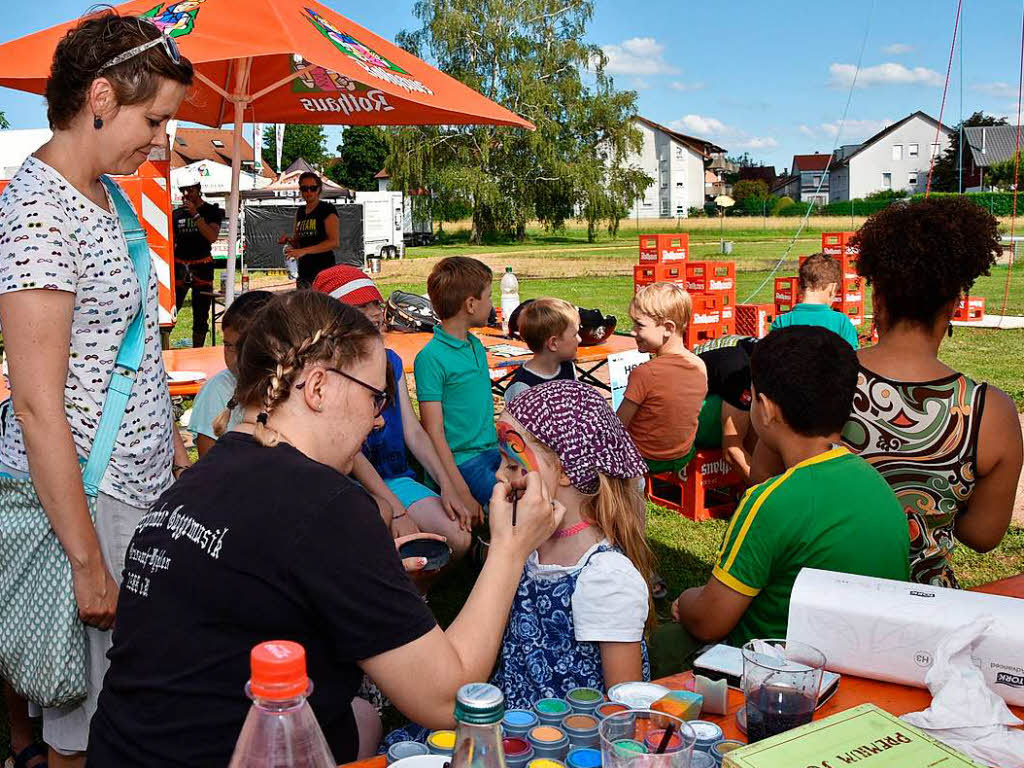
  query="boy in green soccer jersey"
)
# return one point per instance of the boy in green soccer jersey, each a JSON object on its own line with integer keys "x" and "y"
{"x": 829, "y": 509}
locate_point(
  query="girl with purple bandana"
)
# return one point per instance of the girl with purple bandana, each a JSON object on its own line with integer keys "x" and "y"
{"x": 582, "y": 604}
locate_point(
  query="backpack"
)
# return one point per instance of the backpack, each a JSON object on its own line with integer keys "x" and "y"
{"x": 409, "y": 313}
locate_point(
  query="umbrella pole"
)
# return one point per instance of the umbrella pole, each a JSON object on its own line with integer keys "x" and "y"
{"x": 236, "y": 168}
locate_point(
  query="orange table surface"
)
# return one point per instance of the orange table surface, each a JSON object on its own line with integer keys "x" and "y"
{"x": 210, "y": 360}
{"x": 853, "y": 691}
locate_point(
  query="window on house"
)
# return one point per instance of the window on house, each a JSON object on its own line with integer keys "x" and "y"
{"x": 886, "y": 181}
{"x": 218, "y": 143}
{"x": 665, "y": 208}
{"x": 897, "y": 151}
{"x": 817, "y": 180}
{"x": 679, "y": 152}
{"x": 648, "y": 204}
{"x": 679, "y": 185}
{"x": 680, "y": 211}
{"x": 912, "y": 179}
{"x": 912, "y": 150}
{"x": 935, "y": 150}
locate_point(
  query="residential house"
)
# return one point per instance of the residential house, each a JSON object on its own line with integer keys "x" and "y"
{"x": 191, "y": 145}
{"x": 765, "y": 173}
{"x": 787, "y": 185}
{"x": 813, "y": 173}
{"x": 986, "y": 145}
{"x": 895, "y": 158}
{"x": 677, "y": 164}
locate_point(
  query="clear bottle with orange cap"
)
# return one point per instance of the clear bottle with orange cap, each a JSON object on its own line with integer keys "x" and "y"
{"x": 280, "y": 730}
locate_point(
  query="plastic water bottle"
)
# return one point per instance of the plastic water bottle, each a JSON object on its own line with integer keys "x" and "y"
{"x": 479, "y": 708}
{"x": 509, "y": 297}
{"x": 280, "y": 730}
{"x": 291, "y": 264}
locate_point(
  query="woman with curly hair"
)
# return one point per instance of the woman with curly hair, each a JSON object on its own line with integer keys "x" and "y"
{"x": 950, "y": 447}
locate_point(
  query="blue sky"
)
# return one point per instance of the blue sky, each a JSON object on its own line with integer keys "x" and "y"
{"x": 768, "y": 78}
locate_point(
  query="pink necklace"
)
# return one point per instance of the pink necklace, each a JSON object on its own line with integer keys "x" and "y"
{"x": 572, "y": 530}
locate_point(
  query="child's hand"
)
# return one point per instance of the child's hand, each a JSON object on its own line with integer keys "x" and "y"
{"x": 453, "y": 504}
{"x": 537, "y": 516}
{"x": 469, "y": 513}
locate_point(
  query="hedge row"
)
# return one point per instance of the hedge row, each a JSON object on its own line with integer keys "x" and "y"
{"x": 998, "y": 203}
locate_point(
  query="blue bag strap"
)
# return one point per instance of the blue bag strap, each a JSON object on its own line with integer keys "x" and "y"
{"x": 129, "y": 355}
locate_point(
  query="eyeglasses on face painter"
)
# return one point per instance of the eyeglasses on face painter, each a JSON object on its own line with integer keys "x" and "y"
{"x": 309, "y": 187}
{"x": 381, "y": 397}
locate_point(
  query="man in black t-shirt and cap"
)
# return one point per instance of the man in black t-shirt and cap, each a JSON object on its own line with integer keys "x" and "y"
{"x": 196, "y": 227}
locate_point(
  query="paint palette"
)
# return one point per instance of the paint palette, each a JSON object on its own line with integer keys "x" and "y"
{"x": 438, "y": 553}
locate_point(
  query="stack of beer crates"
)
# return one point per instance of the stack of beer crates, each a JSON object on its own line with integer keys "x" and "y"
{"x": 754, "y": 319}
{"x": 851, "y": 295}
{"x": 711, "y": 284}
{"x": 971, "y": 309}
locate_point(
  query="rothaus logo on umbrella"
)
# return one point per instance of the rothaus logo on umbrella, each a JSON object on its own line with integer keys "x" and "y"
{"x": 347, "y": 96}
{"x": 374, "y": 64}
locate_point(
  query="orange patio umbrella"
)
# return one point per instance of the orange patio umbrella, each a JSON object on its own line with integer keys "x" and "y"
{"x": 286, "y": 61}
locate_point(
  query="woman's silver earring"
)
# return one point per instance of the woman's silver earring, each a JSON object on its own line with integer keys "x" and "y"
{"x": 97, "y": 122}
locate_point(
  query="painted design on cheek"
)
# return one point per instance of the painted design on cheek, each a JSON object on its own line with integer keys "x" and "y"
{"x": 515, "y": 447}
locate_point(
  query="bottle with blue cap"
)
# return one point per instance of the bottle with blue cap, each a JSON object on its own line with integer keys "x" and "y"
{"x": 479, "y": 708}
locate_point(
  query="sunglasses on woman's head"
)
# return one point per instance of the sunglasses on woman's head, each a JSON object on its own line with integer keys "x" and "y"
{"x": 170, "y": 48}
{"x": 381, "y": 397}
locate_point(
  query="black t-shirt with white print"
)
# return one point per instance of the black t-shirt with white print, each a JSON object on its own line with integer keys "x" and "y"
{"x": 251, "y": 544}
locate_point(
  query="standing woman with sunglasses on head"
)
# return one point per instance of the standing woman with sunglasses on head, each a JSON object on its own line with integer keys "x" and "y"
{"x": 317, "y": 232}
{"x": 268, "y": 538}
{"x": 76, "y": 296}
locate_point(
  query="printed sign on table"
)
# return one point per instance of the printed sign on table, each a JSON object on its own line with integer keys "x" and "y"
{"x": 619, "y": 366}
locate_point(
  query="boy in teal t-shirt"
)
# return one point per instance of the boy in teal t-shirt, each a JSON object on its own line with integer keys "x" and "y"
{"x": 829, "y": 509}
{"x": 453, "y": 382}
{"x": 821, "y": 281}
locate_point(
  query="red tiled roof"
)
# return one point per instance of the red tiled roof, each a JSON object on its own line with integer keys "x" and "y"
{"x": 194, "y": 144}
{"x": 383, "y": 174}
{"x": 815, "y": 162}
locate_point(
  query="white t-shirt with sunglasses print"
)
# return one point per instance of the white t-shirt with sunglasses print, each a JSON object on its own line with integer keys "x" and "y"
{"x": 53, "y": 238}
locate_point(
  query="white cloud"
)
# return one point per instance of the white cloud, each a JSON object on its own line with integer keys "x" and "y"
{"x": 710, "y": 127}
{"x": 677, "y": 85}
{"x": 895, "y": 49}
{"x": 637, "y": 56}
{"x": 701, "y": 125}
{"x": 996, "y": 90}
{"x": 855, "y": 129}
{"x": 890, "y": 73}
{"x": 807, "y": 131}
{"x": 639, "y": 84}
{"x": 757, "y": 142}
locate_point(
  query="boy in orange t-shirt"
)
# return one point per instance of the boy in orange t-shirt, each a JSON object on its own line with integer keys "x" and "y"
{"x": 663, "y": 398}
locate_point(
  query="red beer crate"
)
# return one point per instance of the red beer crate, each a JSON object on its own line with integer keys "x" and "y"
{"x": 787, "y": 290}
{"x": 971, "y": 309}
{"x": 854, "y": 311}
{"x": 837, "y": 243}
{"x": 657, "y": 249}
{"x": 706, "y": 323}
{"x": 708, "y": 276}
{"x": 754, "y": 319}
{"x": 645, "y": 274}
{"x": 727, "y": 302}
{"x": 852, "y": 293}
{"x": 708, "y": 487}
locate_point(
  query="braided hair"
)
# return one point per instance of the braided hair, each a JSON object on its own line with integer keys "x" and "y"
{"x": 291, "y": 331}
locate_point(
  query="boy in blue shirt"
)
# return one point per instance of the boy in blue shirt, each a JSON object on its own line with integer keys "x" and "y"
{"x": 453, "y": 382}
{"x": 821, "y": 282}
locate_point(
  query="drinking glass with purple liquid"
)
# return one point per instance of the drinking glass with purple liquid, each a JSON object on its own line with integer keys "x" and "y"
{"x": 780, "y": 683}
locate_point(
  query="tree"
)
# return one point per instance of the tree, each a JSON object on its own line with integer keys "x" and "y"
{"x": 946, "y": 173}
{"x": 1000, "y": 175}
{"x": 361, "y": 155}
{"x": 4, "y": 124}
{"x": 305, "y": 141}
{"x": 529, "y": 56}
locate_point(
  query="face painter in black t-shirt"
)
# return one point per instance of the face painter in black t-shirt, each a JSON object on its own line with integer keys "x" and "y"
{"x": 316, "y": 231}
{"x": 267, "y": 538}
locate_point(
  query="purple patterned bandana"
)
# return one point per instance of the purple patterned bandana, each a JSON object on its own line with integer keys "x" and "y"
{"x": 574, "y": 421}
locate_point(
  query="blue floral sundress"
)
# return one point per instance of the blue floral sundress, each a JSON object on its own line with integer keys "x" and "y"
{"x": 540, "y": 655}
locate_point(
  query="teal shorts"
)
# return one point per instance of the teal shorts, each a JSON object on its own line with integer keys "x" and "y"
{"x": 409, "y": 491}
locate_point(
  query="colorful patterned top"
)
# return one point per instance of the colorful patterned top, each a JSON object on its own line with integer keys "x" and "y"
{"x": 923, "y": 438}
